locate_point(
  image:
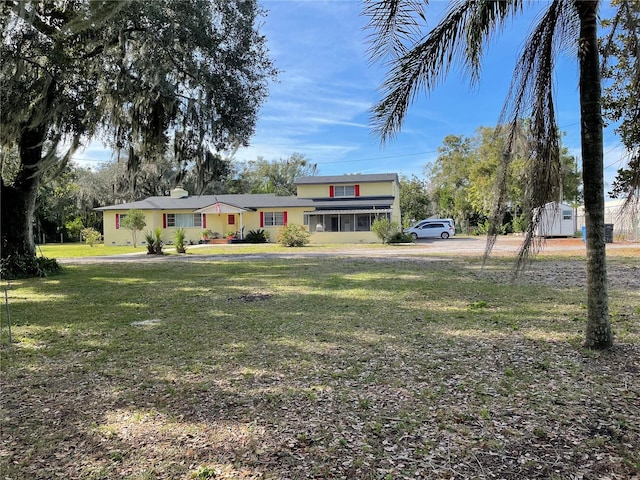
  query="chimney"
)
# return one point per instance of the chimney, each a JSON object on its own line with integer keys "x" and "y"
{"x": 179, "y": 193}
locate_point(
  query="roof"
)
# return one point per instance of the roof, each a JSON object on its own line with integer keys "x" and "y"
{"x": 195, "y": 202}
{"x": 356, "y": 178}
{"x": 350, "y": 212}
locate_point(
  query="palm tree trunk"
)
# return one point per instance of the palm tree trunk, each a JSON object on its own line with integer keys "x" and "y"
{"x": 598, "y": 334}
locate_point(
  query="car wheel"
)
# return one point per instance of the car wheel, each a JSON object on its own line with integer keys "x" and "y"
{"x": 444, "y": 235}
{"x": 414, "y": 235}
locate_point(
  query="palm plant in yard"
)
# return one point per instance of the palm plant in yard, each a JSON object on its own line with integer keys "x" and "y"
{"x": 420, "y": 61}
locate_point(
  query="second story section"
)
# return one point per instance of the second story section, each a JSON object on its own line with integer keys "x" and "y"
{"x": 338, "y": 188}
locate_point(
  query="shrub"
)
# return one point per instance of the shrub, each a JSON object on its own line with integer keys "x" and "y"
{"x": 400, "y": 237}
{"x": 91, "y": 236}
{"x": 257, "y": 236}
{"x": 293, "y": 236}
{"x": 385, "y": 229}
{"x": 157, "y": 241}
{"x": 75, "y": 228}
{"x": 178, "y": 239}
{"x": 520, "y": 223}
{"x": 21, "y": 266}
{"x": 149, "y": 240}
{"x": 485, "y": 229}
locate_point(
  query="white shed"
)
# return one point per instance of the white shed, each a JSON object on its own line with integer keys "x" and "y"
{"x": 556, "y": 220}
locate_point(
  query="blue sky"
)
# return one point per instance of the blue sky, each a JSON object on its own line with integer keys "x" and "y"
{"x": 320, "y": 104}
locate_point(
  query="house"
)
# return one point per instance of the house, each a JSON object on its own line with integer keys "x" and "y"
{"x": 335, "y": 209}
{"x": 555, "y": 220}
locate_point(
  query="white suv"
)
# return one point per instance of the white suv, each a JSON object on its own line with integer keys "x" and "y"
{"x": 432, "y": 228}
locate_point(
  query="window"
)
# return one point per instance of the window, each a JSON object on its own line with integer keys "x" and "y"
{"x": 344, "y": 191}
{"x": 363, "y": 223}
{"x": 184, "y": 220}
{"x": 273, "y": 219}
{"x": 567, "y": 215}
{"x": 347, "y": 222}
{"x": 119, "y": 217}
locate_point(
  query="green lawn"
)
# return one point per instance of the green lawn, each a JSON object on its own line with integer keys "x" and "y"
{"x": 79, "y": 250}
{"x": 318, "y": 368}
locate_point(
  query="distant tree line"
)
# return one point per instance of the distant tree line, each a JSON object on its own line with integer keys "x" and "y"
{"x": 66, "y": 200}
{"x": 461, "y": 182}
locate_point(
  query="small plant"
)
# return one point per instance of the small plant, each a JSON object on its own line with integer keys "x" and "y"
{"x": 204, "y": 472}
{"x": 150, "y": 240}
{"x": 400, "y": 237}
{"x": 293, "y": 236}
{"x": 134, "y": 222}
{"x": 479, "y": 305}
{"x": 257, "y": 236}
{"x": 179, "y": 240}
{"x": 230, "y": 234}
{"x": 157, "y": 241}
{"x": 91, "y": 236}
{"x": 209, "y": 235}
{"x": 385, "y": 229}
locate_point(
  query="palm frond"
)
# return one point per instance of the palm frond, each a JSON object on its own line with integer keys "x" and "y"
{"x": 486, "y": 21}
{"x": 394, "y": 23}
{"x": 531, "y": 95}
{"x": 424, "y": 65}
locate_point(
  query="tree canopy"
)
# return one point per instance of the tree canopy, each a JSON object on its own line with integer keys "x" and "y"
{"x": 278, "y": 176}
{"x": 621, "y": 101}
{"x": 462, "y": 179}
{"x": 145, "y": 76}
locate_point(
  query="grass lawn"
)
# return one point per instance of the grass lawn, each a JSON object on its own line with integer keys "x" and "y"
{"x": 79, "y": 250}
{"x": 327, "y": 368}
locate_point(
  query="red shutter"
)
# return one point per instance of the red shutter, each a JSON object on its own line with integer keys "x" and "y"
{"x": 204, "y": 220}
{"x": 261, "y": 219}
{"x": 356, "y": 188}
{"x": 164, "y": 220}
{"x": 331, "y": 192}
{"x": 284, "y": 218}
{"x": 232, "y": 220}
{"x": 117, "y": 221}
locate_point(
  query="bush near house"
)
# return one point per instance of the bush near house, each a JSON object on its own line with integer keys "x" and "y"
{"x": 400, "y": 237}
{"x": 293, "y": 236}
{"x": 91, "y": 236}
{"x": 256, "y": 236}
{"x": 179, "y": 240}
{"x": 385, "y": 229}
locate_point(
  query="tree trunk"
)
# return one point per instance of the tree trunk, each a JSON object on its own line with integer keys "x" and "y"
{"x": 598, "y": 334}
{"x": 19, "y": 199}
